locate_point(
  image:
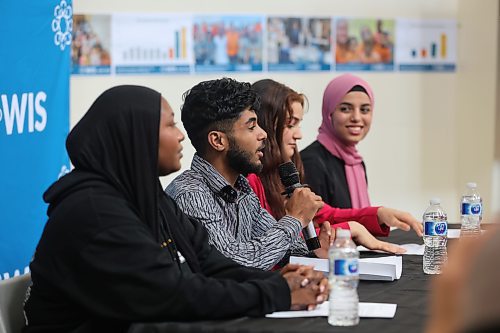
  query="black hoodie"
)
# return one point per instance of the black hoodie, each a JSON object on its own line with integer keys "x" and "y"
{"x": 108, "y": 255}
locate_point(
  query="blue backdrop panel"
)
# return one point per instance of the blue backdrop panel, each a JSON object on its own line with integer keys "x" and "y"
{"x": 34, "y": 120}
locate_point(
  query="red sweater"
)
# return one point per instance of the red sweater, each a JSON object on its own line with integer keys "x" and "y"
{"x": 336, "y": 216}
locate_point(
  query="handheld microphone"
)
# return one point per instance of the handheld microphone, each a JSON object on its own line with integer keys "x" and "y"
{"x": 290, "y": 178}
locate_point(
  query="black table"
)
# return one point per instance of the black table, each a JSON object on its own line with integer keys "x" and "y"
{"x": 410, "y": 292}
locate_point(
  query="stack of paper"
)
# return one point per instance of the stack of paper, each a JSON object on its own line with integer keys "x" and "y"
{"x": 318, "y": 264}
{"x": 383, "y": 268}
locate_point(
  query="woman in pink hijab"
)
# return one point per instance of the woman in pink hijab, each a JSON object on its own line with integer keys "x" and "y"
{"x": 333, "y": 167}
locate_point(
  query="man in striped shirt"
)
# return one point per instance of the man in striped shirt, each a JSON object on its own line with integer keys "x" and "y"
{"x": 219, "y": 119}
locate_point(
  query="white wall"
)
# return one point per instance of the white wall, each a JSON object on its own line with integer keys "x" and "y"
{"x": 496, "y": 168}
{"x": 477, "y": 91}
{"x": 415, "y": 148}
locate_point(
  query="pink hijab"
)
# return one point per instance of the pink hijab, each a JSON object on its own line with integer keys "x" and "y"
{"x": 355, "y": 173}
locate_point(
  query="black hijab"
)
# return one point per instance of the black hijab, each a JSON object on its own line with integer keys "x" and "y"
{"x": 118, "y": 139}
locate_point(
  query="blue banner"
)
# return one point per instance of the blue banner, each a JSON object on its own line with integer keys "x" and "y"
{"x": 34, "y": 120}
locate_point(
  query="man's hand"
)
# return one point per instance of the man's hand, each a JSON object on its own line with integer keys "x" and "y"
{"x": 308, "y": 287}
{"x": 303, "y": 205}
{"x": 363, "y": 237}
{"x": 300, "y": 275}
{"x": 401, "y": 220}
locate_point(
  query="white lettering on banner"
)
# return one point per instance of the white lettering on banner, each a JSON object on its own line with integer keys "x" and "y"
{"x": 40, "y": 110}
{"x": 30, "y": 113}
{"x": 17, "y": 113}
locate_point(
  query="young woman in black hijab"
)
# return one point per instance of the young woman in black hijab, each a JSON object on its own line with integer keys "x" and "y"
{"x": 117, "y": 250}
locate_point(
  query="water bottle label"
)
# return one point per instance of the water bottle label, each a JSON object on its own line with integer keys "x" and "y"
{"x": 471, "y": 209}
{"x": 346, "y": 267}
{"x": 433, "y": 228}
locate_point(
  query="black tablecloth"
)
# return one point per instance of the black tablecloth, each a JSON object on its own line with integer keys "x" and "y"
{"x": 410, "y": 293}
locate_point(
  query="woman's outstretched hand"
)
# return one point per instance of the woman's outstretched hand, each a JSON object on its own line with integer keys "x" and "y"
{"x": 399, "y": 219}
{"x": 363, "y": 237}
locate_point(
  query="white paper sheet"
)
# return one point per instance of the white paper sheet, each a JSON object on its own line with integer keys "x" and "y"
{"x": 377, "y": 310}
{"x": 415, "y": 249}
{"x": 455, "y": 233}
{"x": 366, "y": 310}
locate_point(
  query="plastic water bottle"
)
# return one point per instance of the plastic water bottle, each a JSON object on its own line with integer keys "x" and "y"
{"x": 471, "y": 209}
{"x": 343, "y": 279}
{"x": 435, "y": 237}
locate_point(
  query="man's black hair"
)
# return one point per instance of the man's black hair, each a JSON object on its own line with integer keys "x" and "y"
{"x": 215, "y": 105}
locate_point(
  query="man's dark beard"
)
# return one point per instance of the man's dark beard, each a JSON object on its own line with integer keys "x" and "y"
{"x": 240, "y": 161}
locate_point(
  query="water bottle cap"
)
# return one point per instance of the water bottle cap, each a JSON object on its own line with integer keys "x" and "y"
{"x": 471, "y": 185}
{"x": 343, "y": 233}
{"x": 435, "y": 201}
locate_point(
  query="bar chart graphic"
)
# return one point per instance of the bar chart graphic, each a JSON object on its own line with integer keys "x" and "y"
{"x": 431, "y": 51}
{"x": 428, "y": 45}
{"x": 151, "y": 43}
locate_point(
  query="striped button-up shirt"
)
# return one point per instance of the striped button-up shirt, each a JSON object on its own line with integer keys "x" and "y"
{"x": 237, "y": 225}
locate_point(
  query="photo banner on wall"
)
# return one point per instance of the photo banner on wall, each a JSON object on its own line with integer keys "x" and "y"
{"x": 228, "y": 43}
{"x": 34, "y": 121}
{"x": 299, "y": 43}
{"x": 90, "y": 49}
{"x": 364, "y": 44}
{"x": 168, "y": 43}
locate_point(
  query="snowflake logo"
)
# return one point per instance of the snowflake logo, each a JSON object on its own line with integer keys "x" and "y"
{"x": 62, "y": 24}
{"x": 64, "y": 170}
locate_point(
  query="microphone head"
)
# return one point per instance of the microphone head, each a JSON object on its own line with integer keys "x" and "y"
{"x": 289, "y": 175}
